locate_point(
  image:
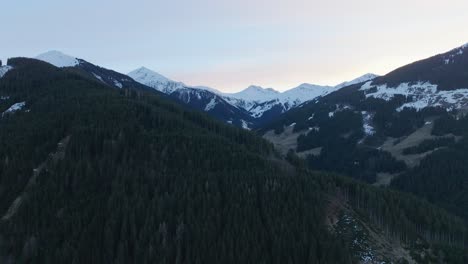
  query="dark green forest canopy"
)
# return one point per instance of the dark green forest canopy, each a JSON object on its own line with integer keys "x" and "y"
{"x": 143, "y": 180}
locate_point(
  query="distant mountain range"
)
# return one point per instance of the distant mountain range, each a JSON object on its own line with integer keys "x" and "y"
{"x": 250, "y": 108}
{"x": 97, "y": 161}
{"x": 379, "y": 118}
{"x": 424, "y": 83}
{"x": 261, "y": 104}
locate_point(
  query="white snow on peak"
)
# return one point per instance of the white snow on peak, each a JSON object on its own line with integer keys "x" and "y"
{"x": 14, "y": 108}
{"x": 209, "y": 89}
{"x": 155, "y": 80}
{"x": 255, "y": 93}
{"x": 58, "y": 59}
{"x": 420, "y": 95}
{"x": 4, "y": 70}
{"x": 257, "y": 100}
{"x": 364, "y": 78}
{"x": 145, "y": 74}
{"x": 302, "y": 93}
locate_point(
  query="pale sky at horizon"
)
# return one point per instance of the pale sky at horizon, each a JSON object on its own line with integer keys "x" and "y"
{"x": 229, "y": 45}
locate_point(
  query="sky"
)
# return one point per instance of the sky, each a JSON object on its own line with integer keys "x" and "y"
{"x": 229, "y": 45}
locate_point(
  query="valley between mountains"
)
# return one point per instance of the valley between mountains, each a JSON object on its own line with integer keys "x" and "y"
{"x": 98, "y": 166}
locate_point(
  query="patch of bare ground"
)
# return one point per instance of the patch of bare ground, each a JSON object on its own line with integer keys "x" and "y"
{"x": 383, "y": 247}
{"x": 284, "y": 141}
{"x": 384, "y": 178}
{"x": 396, "y": 145}
{"x": 313, "y": 152}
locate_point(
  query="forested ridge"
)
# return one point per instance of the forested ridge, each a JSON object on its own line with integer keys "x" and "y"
{"x": 442, "y": 176}
{"x": 143, "y": 180}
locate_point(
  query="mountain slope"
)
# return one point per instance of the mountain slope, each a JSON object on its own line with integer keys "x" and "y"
{"x": 99, "y": 175}
{"x": 141, "y": 180}
{"x": 267, "y": 104}
{"x": 195, "y": 98}
{"x": 401, "y": 129}
{"x": 144, "y": 79}
{"x": 434, "y": 70}
{"x": 254, "y": 105}
{"x": 103, "y": 75}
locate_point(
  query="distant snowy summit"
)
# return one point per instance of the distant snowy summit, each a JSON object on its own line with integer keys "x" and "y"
{"x": 256, "y": 100}
{"x": 155, "y": 80}
{"x": 58, "y": 59}
{"x": 364, "y": 78}
{"x": 296, "y": 95}
{"x": 260, "y": 101}
{"x": 254, "y": 103}
{"x": 255, "y": 93}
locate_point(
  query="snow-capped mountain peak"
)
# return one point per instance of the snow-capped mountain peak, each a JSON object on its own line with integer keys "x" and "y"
{"x": 303, "y": 93}
{"x": 155, "y": 80}
{"x": 144, "y": 74}
{"x": 58, "y": 59}
{"x": 364, "y": 78}
{"x": 209, "y": 89}
{"x": 255, "y": 93}
{"x": 306, "y": 87}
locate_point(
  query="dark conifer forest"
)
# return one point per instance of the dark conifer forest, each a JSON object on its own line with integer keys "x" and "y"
{"x": 94, "y": 174}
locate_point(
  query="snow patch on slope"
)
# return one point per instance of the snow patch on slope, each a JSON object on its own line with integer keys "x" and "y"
{"x": 4, "y": 70}
{"x": 14, "y": 108}
{"x": 245, "y": 125}
{"x": 421, "y": 95}
{"x": 369, "y": 130}
{"x": 118, "y": 84}
{"x": 58, "y": 59}
{"x": 98, "y": 77}
{"x": 211, "y": 104}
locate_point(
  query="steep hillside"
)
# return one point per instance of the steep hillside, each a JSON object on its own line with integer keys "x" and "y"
{"x": 250, "y": 108}
{"x": 91, "y": 174}
{"x": 87, "y": 69}
{"x": 386, "y": 108}
{"x": 195, "y": 98}
{"x": 140, "y": 180}
{"x": 406, "y": 126}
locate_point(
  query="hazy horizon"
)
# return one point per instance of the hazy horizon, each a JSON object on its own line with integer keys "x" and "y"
{"x": 231, "y": 45}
